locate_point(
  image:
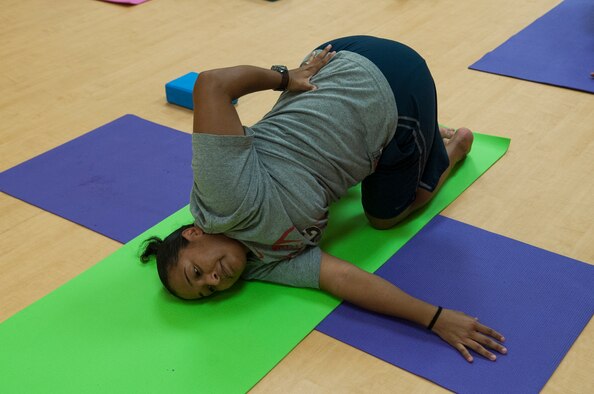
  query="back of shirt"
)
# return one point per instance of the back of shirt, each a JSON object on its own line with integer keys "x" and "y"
{"x": 271, "y": 188}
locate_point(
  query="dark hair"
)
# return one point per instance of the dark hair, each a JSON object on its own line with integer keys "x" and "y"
{"x": 167, "y": 253}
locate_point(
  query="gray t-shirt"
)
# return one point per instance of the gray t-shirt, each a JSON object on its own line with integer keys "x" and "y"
{"x": 270, "y": 188}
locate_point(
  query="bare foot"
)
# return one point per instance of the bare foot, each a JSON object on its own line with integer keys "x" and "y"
{"x": 460, "y": 144}
{"x": 446, "y": 133}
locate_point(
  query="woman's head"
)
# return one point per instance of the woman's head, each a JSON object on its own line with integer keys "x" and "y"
{"x": 192, "y": 264}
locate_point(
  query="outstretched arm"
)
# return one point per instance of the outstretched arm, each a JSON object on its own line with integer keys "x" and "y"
{"x": 215, "y": 89}
{"x": 371, "y": 292}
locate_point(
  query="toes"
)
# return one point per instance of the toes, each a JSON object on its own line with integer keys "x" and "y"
{"x": 446, "y": 133}
{"x": 460, "y": 144}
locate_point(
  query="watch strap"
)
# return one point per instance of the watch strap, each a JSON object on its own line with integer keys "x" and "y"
{"x": 284, "y": 72}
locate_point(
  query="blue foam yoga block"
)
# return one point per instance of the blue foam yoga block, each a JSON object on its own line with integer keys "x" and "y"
{"x": 179, "y": 91}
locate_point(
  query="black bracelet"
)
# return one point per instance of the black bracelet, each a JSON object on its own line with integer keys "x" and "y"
{"x": 435, "y": 317}
{"x": 284, "y": 72}
{"x": 284, "y": 82}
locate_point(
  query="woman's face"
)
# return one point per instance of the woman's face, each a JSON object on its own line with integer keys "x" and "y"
{"x": 208, "y": 264}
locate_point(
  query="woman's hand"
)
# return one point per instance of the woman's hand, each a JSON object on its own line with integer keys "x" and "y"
{"x": 464, "y": 332}
{"x": 299, "y": 78}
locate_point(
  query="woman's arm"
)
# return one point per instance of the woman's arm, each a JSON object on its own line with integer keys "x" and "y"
{"x": 215, "y": 89}
{"x": 369, "y": 291}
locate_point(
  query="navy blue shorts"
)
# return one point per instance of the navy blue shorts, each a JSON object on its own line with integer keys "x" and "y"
{"x": 416, "y": 156}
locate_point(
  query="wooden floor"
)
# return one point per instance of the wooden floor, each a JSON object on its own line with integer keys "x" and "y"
{"x": 67, "y": 67}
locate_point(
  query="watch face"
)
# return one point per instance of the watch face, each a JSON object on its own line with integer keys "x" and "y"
{"x": 279, "y": 68}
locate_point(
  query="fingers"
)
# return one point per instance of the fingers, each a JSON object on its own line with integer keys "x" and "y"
{"x": 326, "y": 50}
{"x": 477, "y": 347}
{"x": 326, "y": 55}
{"x": 329, "y": 56}
{"x": 488, "y": 342}
{"x": 464, "y": 352}
{"x": 466, "y": 335}
{"x": 490, "y": 332}
{"x": 322, "y": 58}
{"x": 486, "y": 338}
{"x": 480, "y": 340}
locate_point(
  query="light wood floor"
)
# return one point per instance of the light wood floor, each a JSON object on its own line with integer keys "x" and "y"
{"x": 67, "y": 67}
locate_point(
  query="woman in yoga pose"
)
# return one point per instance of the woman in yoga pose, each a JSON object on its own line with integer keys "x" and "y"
{"x": 359, "y": 109}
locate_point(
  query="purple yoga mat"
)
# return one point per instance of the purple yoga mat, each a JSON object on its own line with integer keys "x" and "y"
{"x": 117, "y": 180}
{"x": 556, "y": 49}
{"x": 539, "y": 301}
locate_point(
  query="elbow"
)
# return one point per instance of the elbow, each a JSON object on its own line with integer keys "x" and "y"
{"x": 206, "y": 82}
{"x": 335, "y": 275}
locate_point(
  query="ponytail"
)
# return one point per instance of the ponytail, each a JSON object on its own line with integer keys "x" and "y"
{"x": 166, "y": 252}
{"x": 151, "y": 248}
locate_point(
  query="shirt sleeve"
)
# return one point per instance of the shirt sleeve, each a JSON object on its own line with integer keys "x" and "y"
{"x": 300, "y": 271}
{"x": 225, "y": 173}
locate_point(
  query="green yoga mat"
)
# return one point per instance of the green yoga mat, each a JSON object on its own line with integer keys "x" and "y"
{"x": 114, "y": 329}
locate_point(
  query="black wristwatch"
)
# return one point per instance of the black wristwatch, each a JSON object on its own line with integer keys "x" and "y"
{"x": 285, "y": 73}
